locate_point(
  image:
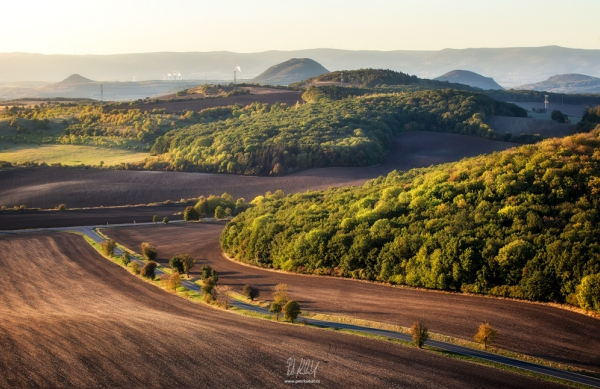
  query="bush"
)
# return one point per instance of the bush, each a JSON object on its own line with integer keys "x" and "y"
{"x": 182, "y": 263}
{"x": 589, "y": 293}
{"x": 291, "y": 310}
{"x": 486, "y": 334}
{"x": 208, "y": 285}
{"x": 125, "y": 258}
{"x": 190, "y": 214}
{"x": 220, "y": 213}
{"x": 251, "y": 291}
{"x": 148, "y": 251}
{"x": 155, "y": 219}
{"x": 61, "y": 207}
{"x": 275, "y": 308}
{"x": 173, "y": 281}
{"x": 165, "y": 220}
{"x": 281, "y": 294}
{"x": 136, "y": 268}
{"x": 419, "y": 333}
{"x": 149, "y": 270}
{"x": 108, "y": 247}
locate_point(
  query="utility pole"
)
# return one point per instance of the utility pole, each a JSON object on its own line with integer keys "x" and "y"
{"x": 101, "y": 93}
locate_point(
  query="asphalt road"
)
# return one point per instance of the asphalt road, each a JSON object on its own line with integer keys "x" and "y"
{"x": 549, "y": 371}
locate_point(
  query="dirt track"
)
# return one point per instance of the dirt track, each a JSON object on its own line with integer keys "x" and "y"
{"x": 115, "y": 330}
{"x": 532, "y": 329}
{"x": 48, "y": 187}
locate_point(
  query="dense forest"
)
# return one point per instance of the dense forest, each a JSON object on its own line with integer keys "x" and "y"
{"x": 590, "y": 119}
{"x": 535, "y": 96}
{"x": 275, "y": 139}
{"x": 520, "y": 223}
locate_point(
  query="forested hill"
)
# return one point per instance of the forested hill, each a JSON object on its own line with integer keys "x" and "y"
{"x": 276, "y": 139}
{"x": 521, "y": 223}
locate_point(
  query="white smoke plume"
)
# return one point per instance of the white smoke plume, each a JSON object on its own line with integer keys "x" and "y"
{"x": 239, "y": 69}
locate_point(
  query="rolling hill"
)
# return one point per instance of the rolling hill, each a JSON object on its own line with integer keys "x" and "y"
{"x": 293, "y": 70}
{"x": 566, "y": 83}
{"x": 469, "y": 78}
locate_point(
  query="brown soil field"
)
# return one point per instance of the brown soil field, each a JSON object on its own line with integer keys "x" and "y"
{"x": 533, "y": 329}
{"x": 281, "y": 96}
{"x": 49, "y": 187}
{"x": 518, "y": 126}
{"x": 11, "y": 220}
{"x": 73, "y": 319}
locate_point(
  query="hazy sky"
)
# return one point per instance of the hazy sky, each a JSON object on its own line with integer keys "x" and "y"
{"x": 127, "y": 26}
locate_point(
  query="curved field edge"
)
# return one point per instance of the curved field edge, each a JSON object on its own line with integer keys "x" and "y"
{"x": 186, "y": 293}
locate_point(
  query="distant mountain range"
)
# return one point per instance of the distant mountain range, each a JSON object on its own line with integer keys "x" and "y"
{"x": 290, "y": 71}
{"x": 510, "y": 67}
{"x": 566, "y": 83}
{"x": 77, "y": 86}
{"x": 469, "y": 78}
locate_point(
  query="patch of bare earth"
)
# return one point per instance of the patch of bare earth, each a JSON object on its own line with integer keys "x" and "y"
{"x": 70, "y": 318}
{"x": 533, "y": 329}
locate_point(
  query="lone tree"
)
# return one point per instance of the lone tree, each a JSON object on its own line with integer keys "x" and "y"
{"x": 155, "y": 219}
{"x": 165, "y": 220}
{"x": 190, "y": 214}
{"x": 136, "y": 268}
{"x": 108, "y": 247}
{"x": 291, "y": 310}
{"x": 251, "y": 291}
{"x": 125, "y": 258}
{"x": 149, "y": 270}
{"x": 220, "y": 213}
{"x": 281, "y": 294}
{"x": 486, "y": 334}
{"x": 419, "y": 334}
{"x": 182, "y": 263}
{"x": 148, "y": 251}
{"x": 275, "y": 308}
{"x": 208, "y": 285}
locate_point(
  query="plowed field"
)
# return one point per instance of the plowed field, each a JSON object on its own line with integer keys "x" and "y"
{"x": 70, "y": 318}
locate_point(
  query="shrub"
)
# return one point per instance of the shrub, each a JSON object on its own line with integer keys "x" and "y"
{"x": 173, "y": 281}
{"x": 485, "y": 335}
{"x": 291, "y": 310}
{"x": 190, "y": 214}
{"x": 61, "y": 207}
{"x": 149, "y": 270}
{"x": 250, "y": 291}
{"x": 209, "y": 272}
{"x": 419, "y": 334}
{"x": 182, "y": 263}
{"x": 155, "y": 219}
{"x": 275, "y": 308}
{"x": 589, "y": 293}
{"x": 208, "y": 285}
{"x": 136, "y": 268}
{"x": 125, "y": 258}
{"x": 148, "y": 251}
{"x": 281, "y": 294}
{"x": 165, "y": 220}
{"x": 108, "y": 247}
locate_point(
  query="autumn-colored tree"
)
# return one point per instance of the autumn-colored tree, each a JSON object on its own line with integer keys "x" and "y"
{"x": 291, "y": 310}
{"x": 419, "y": 333}
{"x": 148, "y": 251}
{"x": 486, "y": 334}
{"x": 108, "y": 247}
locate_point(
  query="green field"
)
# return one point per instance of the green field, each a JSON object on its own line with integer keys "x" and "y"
{"x": 67, "y": 154}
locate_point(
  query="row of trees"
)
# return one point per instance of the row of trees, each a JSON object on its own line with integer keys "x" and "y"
{"x": 485, "y": 334}
{"x": 220, "y": 207}
{"x": 520, "y": 223}
{"x": 350, "y": 132}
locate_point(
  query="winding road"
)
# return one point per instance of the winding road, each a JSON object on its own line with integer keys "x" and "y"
{"x": 90, "y": 232}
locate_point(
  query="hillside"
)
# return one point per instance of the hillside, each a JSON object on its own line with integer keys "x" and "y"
{"x": 293, "y": 70}
{"x": 362, "y": 78}
{"x": 566, "y": 83}
{"x": 521, "y": 223}
{"x": 469, "y": 78}
{"x": 275, "y": 139}
{"x": 75, "y": 79}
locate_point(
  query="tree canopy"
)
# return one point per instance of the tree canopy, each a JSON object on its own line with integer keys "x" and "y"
{"x": 521, "y": 223}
